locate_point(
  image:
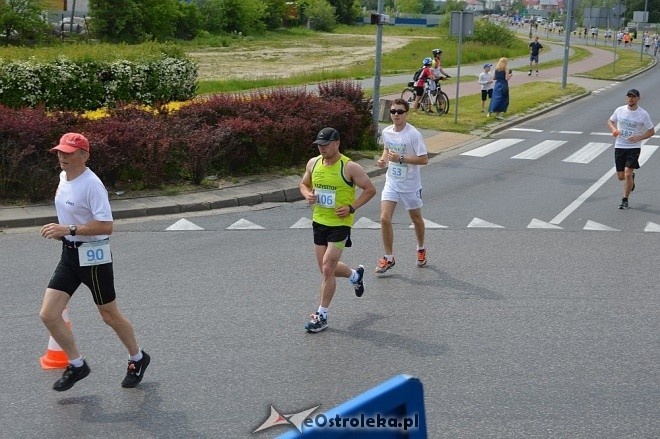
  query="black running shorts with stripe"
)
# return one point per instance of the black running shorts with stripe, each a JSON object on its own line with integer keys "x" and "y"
{"x": 68, "y": 276}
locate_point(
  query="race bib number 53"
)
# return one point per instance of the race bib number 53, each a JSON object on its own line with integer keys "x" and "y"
{"x": 94, "y": 253}
{"x": 398, "y": 171}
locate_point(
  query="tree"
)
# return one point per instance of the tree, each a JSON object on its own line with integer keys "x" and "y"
{"x": 233, "y": 16}
{"x": 21, "y": 22}
{"x": 133, "y": 21}
{"x": 322, "y": 15}
{"x": 346, "y": 11}
{"x": 408, "y": 6}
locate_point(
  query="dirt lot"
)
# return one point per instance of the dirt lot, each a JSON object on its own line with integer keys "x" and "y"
{"x": 322, "y": 52}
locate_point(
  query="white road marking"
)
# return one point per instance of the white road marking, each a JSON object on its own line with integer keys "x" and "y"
{"x": 539, "y": 150}
{"x": 479, "y": 223}
{"x": 429, "y": 225}
{"x": 366, "y": 223}
{"x": 647, "y": 151}
{"x": 302, "y": 223}
{"x": 652, "y": 227}
{"x": 492, "y": 147}
{"x": 538, "y": 224}
{"x": 530, "y": 130}
{"x": 243, "y": 224}
{"x": 593, "y": 225}
{"x": 587, "y": 153}
{"x": 184, "y": 224}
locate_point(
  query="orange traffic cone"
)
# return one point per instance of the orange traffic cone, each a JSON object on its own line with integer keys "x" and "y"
{"x": 55, "y": 357}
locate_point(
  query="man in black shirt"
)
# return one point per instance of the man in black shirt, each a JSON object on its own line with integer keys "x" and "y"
{"x": 534, "y": 49}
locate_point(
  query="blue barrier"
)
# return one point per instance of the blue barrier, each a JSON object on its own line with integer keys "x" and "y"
{"x": 393, "y": 409}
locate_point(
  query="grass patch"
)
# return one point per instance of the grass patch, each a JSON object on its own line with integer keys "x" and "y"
{"x": 412, "y": 46}
{"x": 628, "y": 61}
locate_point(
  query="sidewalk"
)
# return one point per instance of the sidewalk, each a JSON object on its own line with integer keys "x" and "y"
{"x": 286, "y": 189}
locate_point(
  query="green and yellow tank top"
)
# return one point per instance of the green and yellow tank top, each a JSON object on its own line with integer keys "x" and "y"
{"x": 332, "y": 190}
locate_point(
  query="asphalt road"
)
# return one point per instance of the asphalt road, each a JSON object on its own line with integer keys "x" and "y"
{"x": 515, "y": 331}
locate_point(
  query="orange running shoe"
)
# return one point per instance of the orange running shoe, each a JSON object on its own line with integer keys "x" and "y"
{"x": 421, "y": 258}
{"x": 384, "y": 265}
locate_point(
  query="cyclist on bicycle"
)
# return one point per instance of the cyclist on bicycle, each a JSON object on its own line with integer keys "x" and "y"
{"x": 426, "y": 74}
{"x": 436, "y": 66}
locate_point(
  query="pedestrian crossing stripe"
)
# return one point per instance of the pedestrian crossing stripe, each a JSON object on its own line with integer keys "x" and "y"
{"x": 492, "y": 147}
{"x": 584, "y": 155}
{"x": 539, "y": 150}
{"x": 587, "y": 153}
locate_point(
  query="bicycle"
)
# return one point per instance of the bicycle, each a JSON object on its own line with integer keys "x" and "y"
{"x": 430, "y": 98}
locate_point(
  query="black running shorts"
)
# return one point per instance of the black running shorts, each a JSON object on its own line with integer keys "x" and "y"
{"x": 626, "y": 158}
{"x": 325, "y": 234}
{"x": 69, "y": 275}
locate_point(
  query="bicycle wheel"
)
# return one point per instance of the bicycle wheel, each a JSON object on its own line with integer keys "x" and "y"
{"x": 442, "y": 102}
{"x": 408, "y": 94}
{"x": 425, "y": 103}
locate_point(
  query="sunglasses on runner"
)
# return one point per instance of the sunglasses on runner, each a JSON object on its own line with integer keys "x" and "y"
{"x": 397, "y": 111}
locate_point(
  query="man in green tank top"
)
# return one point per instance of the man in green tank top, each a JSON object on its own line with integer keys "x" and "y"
{"x": 329, "y": 185}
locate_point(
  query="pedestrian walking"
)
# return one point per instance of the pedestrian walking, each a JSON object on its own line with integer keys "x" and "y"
{"x": 500, "y": 101}
{"x": 534, "y": 48}
{"x": 630, "y": 125}
{"x": 84, "y": 226}
{"x": 329, "y": 186}
{"x": 486, "y": 82}
{"x": 404, "y": 153}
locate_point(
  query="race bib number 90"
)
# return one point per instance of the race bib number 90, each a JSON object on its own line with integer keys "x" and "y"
{"x": 325, "y": 198}
{"x": 94, "y": 253}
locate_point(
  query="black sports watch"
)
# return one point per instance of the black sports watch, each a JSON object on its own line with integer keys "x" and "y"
{"x": 351, "y": 209}
{"x": 72, "y": 229}
{"x": 401, "y": 159}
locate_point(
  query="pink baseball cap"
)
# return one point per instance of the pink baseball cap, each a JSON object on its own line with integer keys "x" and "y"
{"x": 70, "y": 142}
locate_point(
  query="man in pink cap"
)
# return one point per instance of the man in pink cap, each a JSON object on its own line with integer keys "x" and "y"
{"x": 84, "y": 225}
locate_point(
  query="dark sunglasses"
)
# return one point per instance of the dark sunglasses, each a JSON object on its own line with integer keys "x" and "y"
{"x": 397, "y": 111}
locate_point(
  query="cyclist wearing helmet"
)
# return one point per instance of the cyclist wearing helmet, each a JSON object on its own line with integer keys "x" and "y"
{"x": 436, "y": 66}
{"x": 421, "y": 82}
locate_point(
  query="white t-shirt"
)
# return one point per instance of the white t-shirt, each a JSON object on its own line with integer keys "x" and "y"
{"x": 82, "y": 200}
{"x": 630, "y": 123}
{"x": 403, "y": 177}
{"x": 486, "y": 80}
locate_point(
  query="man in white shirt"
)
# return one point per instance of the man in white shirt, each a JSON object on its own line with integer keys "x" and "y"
{"x": 404, "y": 153}
{"x": 630, "y": 124}
{"x": 84, "y": 225}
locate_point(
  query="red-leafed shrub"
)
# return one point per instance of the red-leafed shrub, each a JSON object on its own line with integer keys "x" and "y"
{"x": 27, "y": 167}
{"x": 227, "y": 135}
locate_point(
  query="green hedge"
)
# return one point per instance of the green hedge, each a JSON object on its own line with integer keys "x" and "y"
{"x": 87, "y": 85}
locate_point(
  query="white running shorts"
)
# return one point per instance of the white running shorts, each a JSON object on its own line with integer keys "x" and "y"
{"x": 410, "y": 200}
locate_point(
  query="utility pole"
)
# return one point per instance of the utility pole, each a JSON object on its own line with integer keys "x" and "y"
{"x": 377, "y": 71}
{"x": 568, "y": 26}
